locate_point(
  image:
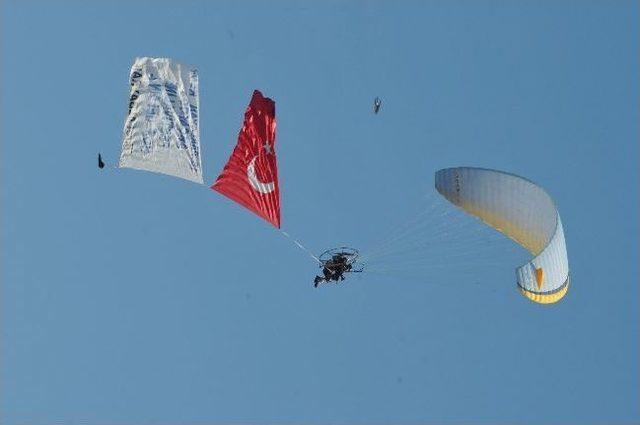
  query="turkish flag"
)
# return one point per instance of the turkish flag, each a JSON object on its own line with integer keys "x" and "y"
{"x": 251, "y": 175}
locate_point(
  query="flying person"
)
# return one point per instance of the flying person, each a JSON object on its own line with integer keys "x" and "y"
{"x": 377, "y": 103}
{"x": 334, "y": 269}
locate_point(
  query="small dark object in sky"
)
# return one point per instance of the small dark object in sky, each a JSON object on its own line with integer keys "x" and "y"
{"x": 333, "y": 269}
{"x": 377, "y": 103}
{"x": 335, "y": 263}
{"x": 100, "y": 162}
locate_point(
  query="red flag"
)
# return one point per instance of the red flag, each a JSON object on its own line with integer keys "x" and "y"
{"x": 251, "y": 175}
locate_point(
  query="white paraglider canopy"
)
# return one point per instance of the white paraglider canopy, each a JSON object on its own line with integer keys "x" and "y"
{"x": 524, "y": 212}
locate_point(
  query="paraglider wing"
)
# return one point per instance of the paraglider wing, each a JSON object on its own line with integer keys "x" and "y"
{"x": 161, "y": 132}
{"x": 250, "y": 177}
{"x": 524, "y": 212}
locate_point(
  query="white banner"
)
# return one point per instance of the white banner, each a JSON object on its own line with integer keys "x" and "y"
{"x": 161, "y": 132}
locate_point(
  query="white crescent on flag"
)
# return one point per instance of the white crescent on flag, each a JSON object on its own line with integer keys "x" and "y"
{"x": 256, "y": 184}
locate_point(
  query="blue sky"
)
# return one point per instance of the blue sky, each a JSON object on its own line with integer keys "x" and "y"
{"x": 131, "y": 297}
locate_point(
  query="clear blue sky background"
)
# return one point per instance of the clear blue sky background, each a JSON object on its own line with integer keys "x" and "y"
{"x": 135, "y": 298}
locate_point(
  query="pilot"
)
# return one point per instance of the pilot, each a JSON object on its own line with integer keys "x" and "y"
{"x": 333, "y": 270}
